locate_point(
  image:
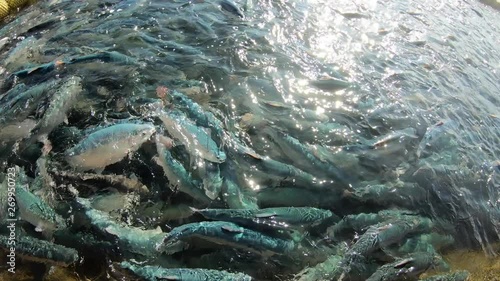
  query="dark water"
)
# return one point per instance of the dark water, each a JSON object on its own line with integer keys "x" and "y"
{"x": 394, "y": 93}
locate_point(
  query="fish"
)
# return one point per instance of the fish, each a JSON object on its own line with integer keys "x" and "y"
{"x": 113, "y": 56}
{"x": 280, "y": 217}
{"x": 131, "y": 239}
{"x": 36, "y": 211}
{"x": 16, "y": 130}
{"x": 212, "y": 180}
{"x": 108, "y": 145}
{"x": 114, "y": 202}
{"x": 380, "y": 236}
{"x": 154, "y": 273}
{"x": 268, "y": 168}
{"x": 301, "y": 154}
{"x": 408, "y": 268}
{"x": 330, "y": 84}
{"x": 304, "y": 114}
{"x": 230, "y": 7}
{"x": 178, "y": 177}
{"x": 120, "y": 182}
{"x": 62, "y": 100}
{"x": 395, "y": 136}
{"x": 295, "y": 197}
{"x": 403, "y": 195}
{"x": 170, "y": 45}
{"x": 436, "y": 136}
{"x": 41, "y": 251}
{"x": 17, "y": 105}
{"x": 327, "y": 270}
{"x": 39, "y": 69}
{"x": 198, "y": 142}
{"x": 227, "y": 234}
{"x": 461, "y": 275}
{"x": 234, "y": 195}
{"x": 429, "y": 243}
{"x": 196, "y": 112}
{"x": 359, "y": 222}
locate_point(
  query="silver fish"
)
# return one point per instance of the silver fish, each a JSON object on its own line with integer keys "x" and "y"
{"x": 177, "y": 175}
{"x": 437, "y": 135}
{"x": 37, "y": 250}
{"x": 197, "y": 141}
{"x": 109, "y": 145}
{"x": 130, "y": 238}
{"x": 183, "y": 274}
{"x": 35, "y": 211}
{"x": 226, "y": 233}
{"x": 61, "y": 102}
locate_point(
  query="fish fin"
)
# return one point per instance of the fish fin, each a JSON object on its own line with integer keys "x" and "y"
{"x": 111, "y": 231}
{"x": 193, "y": 209}
{"x": 265, "y": 215}
{"x": 66, "y": 121}
{"x": 403, "y": 263}
{"x": 254, "y": 155}
{"x": 99, "y": 171}
{"x": 39, "y": 228}
{"x": 31, "y": 70}
{"x": 231, "y": 229}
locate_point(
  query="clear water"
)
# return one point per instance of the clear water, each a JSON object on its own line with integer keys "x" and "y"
{"x": 409, "y": 64}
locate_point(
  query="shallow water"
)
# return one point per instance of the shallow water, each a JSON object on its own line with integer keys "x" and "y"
{"x": 401, "y": 65}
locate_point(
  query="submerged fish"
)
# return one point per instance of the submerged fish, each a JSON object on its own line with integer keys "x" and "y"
{"x": 16, "y": 130}
{"x": 326, "y": 270}
{"x": 268, "y": 168}
{"x": 436, "y": 136}
{"x": 395, "y": 136}
{"x": 281, "y": 217}
{"x": 212, "y": 180}
{"x": 234, "y": 195}
{"x": 228, "y": 234}
{"x": 18, "y": 103}
{"x": 461, "y": 275}
{"x": 155, "y": 273}
{"x": 41, "y": 251}
{"x": 197, "y": 141}
{"x": 112, "y": 56}
{"x": 330, "y": 84}
{"x": 408, "y": 268}
{"x": 309, "y": 162}
{"x": 108, "y": 146}
{"x": 231, "y": 7}
{"x": 36, "y": 211}
{"x": 131, "y": 239}
{"x": 196, "y": 112}
{"x": 178, "y": 177}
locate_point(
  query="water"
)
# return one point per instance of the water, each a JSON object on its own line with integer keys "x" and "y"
{"x": 336, "y": 76}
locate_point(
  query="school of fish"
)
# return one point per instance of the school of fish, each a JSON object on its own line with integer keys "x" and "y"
{"x": 165, "y": 187}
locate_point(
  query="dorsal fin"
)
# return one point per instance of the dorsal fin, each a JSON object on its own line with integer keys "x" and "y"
{"x": 231, "y": 229}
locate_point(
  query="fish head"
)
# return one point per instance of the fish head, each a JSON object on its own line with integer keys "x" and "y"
{"x": 141, "y": 133}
